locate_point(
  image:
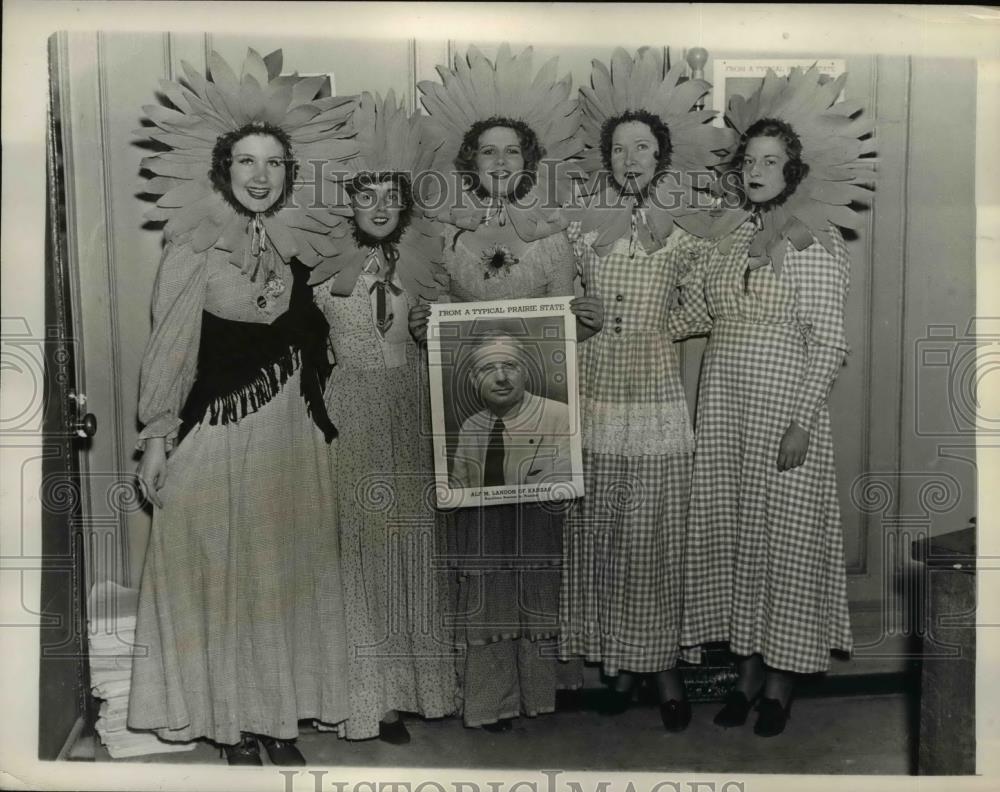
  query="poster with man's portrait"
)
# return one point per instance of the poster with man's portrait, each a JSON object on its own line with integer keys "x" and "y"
{"x": 504, "y": 402}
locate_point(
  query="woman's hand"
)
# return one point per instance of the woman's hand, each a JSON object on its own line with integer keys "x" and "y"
{"x": 419, "y": 315}
{"x": 793, "y": 448}
{"x": 589, "y": 312}
{"x": 152, "y": 471}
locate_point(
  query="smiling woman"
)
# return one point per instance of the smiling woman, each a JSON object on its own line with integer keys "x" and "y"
{"x": 378, "y": 206}
{"x": 495, "y": 121}
{"x": 257, "y": 174}
{"x": 241, "y": 612}
{"x": 499, "y": 158}
{"x": 389, "y": 259}
{"x": 253, "y": 167}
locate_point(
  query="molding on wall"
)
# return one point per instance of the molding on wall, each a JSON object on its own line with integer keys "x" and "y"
{"x": 884, "y": 334}
{"x": 168, "y": 57}
{"x": 411, "y": 87}
{"x": 72, "y": 233}
{"x": 87, "y": 246}
{"x": 861, "y": 568}
{"x": 111, "y": 280}
{"x": 190, "y": 47}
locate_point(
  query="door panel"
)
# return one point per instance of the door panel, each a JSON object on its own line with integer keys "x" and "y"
{"x": 63, "y": 704}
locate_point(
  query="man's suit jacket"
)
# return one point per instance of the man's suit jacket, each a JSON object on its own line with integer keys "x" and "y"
{"x": 536, "y": 445}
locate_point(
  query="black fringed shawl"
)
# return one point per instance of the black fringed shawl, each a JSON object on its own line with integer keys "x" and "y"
{"x": 243, "y": 365}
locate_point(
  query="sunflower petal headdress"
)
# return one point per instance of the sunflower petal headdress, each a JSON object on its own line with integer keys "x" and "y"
{"x": 203, "y": 110}
{"x": 642, "y": 83}
{"x": 476, "y": 89}
{"x": 834, "y": 140}
{"x": 389, "y": 141}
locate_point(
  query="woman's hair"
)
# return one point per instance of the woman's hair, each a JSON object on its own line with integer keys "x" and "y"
{"x": 401, "y": 181}
{"x": 222, "y": 161}
{"x": 794, "y": 170}
{"x": 660, "y": 131}
{"x": 531, "y": 150}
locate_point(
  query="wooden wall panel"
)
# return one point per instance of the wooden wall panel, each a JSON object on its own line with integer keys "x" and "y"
{"x": 89, "y": 255}
{"x": 133, "y": 246}
{"x": 939, "y": 358}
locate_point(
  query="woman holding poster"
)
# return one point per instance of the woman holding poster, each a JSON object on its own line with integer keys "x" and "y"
{"x": 497, "y": 122}
{"x": 637, "y": 239}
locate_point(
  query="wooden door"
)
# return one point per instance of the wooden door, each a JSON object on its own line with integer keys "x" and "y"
{"x": 64, "y": 700}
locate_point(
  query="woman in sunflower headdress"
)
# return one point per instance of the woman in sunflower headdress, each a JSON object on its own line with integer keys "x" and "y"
{"x": 497, "y": 122}
{"x": 764, "y": 565}
{"x": 241, "y": 613}
{"x": 387, "y": 258}
{"x": 637, "y": 240}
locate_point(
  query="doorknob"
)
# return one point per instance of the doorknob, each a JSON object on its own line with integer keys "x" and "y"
{"x": 87, "y": 426}
{"x": 83, "y": 424}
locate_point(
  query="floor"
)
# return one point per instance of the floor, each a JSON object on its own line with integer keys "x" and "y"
{"x": 855, "y": 735}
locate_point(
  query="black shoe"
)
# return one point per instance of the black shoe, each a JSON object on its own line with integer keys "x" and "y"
{"x": 502, "y": 725}
{"x": 735, "y": 710}
{"x": 676, "y": 715}
{"x": 246, "y": 752}
{"x": 394, "y": 732}
{"x": 282, "y": 752}
{"x": 772, "y": 718}
{"x": 615, "y": 702}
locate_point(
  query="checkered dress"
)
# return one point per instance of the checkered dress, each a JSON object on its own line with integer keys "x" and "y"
{"x": 764, "y": 562}
{"x": 623, "y": 542}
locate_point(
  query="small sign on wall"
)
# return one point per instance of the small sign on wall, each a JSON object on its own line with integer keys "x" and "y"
{"x": 329, "y": 86}
{"x": 741, "y": 76}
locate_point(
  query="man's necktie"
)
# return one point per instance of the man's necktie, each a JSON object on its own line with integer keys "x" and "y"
{"x": 493, "y": 472}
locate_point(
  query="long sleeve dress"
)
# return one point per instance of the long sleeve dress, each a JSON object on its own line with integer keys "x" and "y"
{"x": 401, "y": 657}
{"x": 764, "y": 566}
{"x": 624, "y": 540}
{"x": 240, "y": 624}
{"x": 508, "y": 557}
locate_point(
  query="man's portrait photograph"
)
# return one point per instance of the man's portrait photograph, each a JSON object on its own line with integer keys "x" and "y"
{"x": 504, "y": 402}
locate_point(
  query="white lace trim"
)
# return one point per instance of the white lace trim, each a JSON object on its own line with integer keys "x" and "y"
{"x": 637, "y": 428}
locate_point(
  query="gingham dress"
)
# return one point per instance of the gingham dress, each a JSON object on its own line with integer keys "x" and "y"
{"x": 764, "y": 563}
{"x": 623, "y": 542}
